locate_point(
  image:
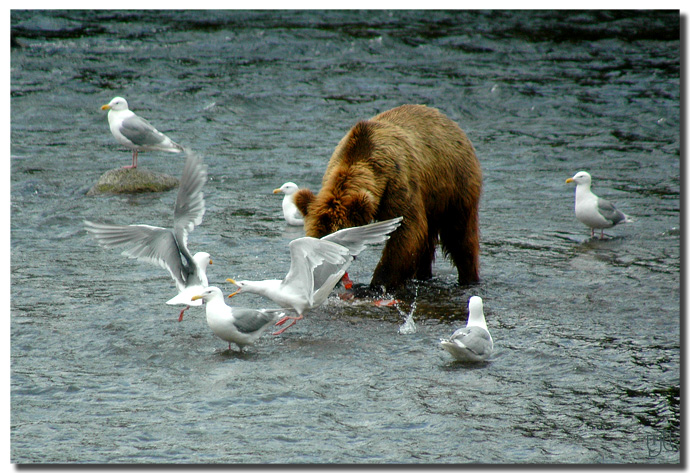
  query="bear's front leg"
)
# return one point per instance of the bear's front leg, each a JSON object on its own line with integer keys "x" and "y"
{"x": 401, "y": 259}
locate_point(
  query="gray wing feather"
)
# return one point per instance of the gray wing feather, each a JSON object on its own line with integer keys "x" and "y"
{"x": 308, "y": 254}
{"x": 609, "y": 211}
{"x": 163, "y": 246}
{"x": 251, "y": 320}
{"x": 189, "y": 205}
{"x": 356, "y": 239}
{"x": 145, "y": 243}
{"x": 325, "y": 271}
{"x": 476, "y": 339}
{"x": 141, "y": 132}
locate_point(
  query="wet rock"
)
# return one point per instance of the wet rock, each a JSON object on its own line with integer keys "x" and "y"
{"x": 132, "y": 181}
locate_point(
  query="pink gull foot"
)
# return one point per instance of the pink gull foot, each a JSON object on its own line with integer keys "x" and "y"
{"x": 285, "y": 319}
{"x": 182, "y": 314}
{"x": 135, "y": 156}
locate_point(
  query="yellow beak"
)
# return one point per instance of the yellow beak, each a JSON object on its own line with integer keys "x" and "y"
{"x": 277, "y": 191}
{"x": 196, "y": 298}
{"x": 569, "y": 180}
{"x": 234, "y": 293}
{"x": 210, "y": 261}
{"x": 105, "y": 107}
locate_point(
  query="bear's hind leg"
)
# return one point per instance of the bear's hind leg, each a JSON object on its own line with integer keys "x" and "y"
{"x": 460, "y": 242}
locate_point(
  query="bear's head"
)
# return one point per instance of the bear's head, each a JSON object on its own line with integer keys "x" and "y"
{"x": 327, "y": 212}
{"x": 348, "y": 197}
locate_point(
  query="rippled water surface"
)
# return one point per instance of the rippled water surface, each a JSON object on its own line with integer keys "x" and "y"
{"x": 586, "y": 367}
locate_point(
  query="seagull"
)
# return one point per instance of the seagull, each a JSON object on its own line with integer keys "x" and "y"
{"x": 135, "y": 133}
{"x": 234, "y": 324}
{"x": 290, "y": 211}
{"x": 473, "y": 342}
{"x": 167, "y": 247}
{"x": 317, "y": 264}
{"x": 591, "y": 210}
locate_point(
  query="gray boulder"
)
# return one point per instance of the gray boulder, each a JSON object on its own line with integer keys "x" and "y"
{"x": 132, "y": 181}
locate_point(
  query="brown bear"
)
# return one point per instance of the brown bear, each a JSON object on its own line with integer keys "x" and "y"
{"x": 411, "y": 161}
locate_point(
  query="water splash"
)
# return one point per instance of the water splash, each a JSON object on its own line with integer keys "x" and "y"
{"x": 409, "y": 326}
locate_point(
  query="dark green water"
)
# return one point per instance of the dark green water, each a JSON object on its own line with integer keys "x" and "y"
{"x": 586, "y": 367}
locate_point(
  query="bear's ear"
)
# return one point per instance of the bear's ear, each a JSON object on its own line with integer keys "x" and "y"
{"x": 302, "y": 199}
{"x": 360, "y": 143}
{"x": 360, "y": 208}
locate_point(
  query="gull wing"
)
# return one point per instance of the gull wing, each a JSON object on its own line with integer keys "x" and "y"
{"x": 141, "y": 132}
{"x": 314, "y": 266}
{"x": 356, "y": 239}
{"x": 252, "y": 320}
{"x": 475, "y": 339}
{"x": 609, "y": 212}
{"x": 146, "y": 243}
{"x": 189, "y": 204}
{"x": 330, "y": 276}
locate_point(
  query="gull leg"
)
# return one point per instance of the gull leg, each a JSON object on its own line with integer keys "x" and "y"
{"x": 135, "y": 155}
{"x": 285, "y": 319}
{"x": 182, "y": 314}
{"x": 284, "y": 328}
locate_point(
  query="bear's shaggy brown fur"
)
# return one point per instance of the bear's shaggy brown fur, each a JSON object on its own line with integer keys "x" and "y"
{"x": 411, "y": 161}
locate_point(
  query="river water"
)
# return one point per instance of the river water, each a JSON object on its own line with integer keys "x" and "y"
{"x": 586, "y": 367}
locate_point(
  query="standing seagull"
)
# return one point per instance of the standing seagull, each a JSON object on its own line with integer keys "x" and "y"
{"x": 317, "y": 264}
{"x": 234, "y": 324}
{"x": 591, "y": 210}
{"x": 167, "y": 247}
{"x": 290, "y": 211}
{"x": 473, "y": 342}
{"x": 134, "y": 132}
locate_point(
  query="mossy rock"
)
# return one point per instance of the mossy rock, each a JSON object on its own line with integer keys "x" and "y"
{"x": 132, "y": 181}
